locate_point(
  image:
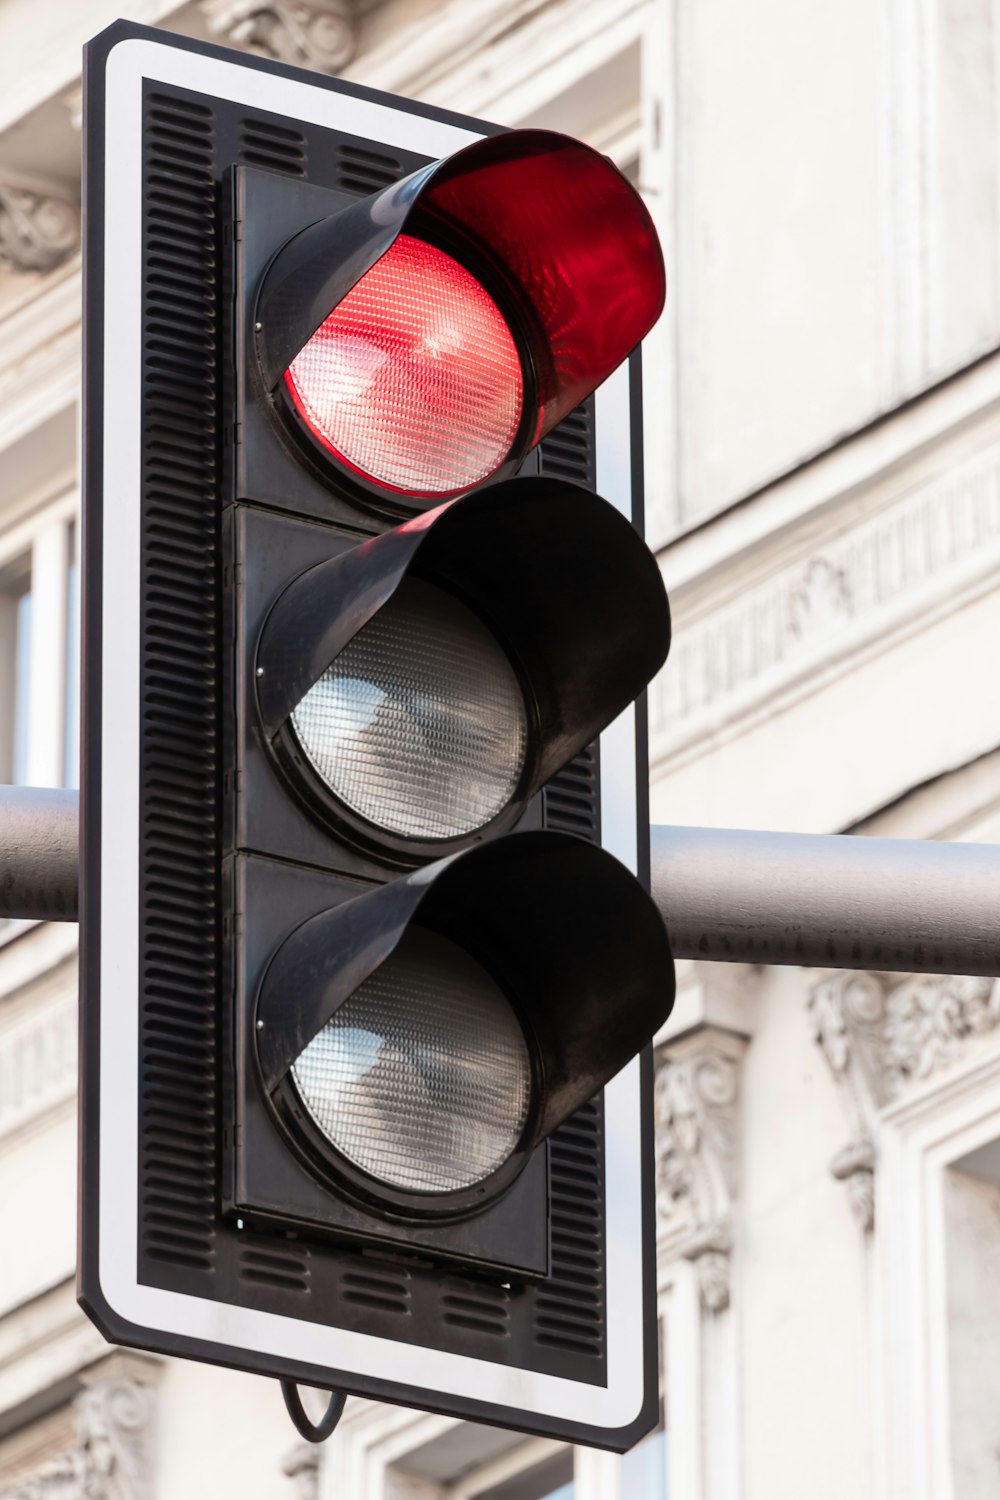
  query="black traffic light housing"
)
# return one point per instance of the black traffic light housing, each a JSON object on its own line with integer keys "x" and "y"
{"x": 580, "y": 658}
{"x": 234, "y": 907}
{"x": 528, "y": 213}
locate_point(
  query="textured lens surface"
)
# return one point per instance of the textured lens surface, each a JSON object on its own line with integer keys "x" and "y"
{"x": 414, "y": 378}
{"x": 419, "y": 724}
{"x": 422, "y": 1077}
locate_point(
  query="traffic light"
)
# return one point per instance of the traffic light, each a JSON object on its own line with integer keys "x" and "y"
{"x": 370, "y": 964}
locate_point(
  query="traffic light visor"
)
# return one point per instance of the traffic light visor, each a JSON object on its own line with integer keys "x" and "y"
{"x": 420, "y": 1040}
{"x": 432, "y": 333}
{"x": 421, "y": 686}
{"x": 577, "y": 242}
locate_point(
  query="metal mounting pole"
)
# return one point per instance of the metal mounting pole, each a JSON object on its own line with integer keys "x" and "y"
{"x": 829, "y": 901}
{"x": 819, "y": 901}
{"x": 39, "y": 859}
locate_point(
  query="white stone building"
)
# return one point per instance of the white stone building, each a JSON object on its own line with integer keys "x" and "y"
{"x": 823, "y": 481}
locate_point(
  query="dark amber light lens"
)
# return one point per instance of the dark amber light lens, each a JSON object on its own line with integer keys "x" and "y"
{"x": 414, "y": 380}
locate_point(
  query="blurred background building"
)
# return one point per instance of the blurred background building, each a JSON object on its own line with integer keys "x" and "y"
{"x": 823, "y": 484}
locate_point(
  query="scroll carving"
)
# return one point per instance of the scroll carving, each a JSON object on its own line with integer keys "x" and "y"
{"x": 318, "y": 34}
{"x": 696, "y": 1101}
{"x": 111, "y": 1458}
{"x": 37, "y": 232}
{"x": 879, "y": 1033}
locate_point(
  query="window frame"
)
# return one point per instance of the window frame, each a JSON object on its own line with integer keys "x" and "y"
{"x": 47, "y": 541}
{"x": 484, "y": 1481}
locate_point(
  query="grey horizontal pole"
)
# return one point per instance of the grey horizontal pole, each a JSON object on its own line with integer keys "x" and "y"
{"x": 829, "y": 901}
{"x": 820, "y": 901}
{"x": 39, "y": 853}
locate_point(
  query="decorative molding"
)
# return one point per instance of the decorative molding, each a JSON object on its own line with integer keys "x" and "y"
{"x": 38, "y": 1061}
{"x": 73, "y": 103}
{"x": 825, "y": 604}
{"x": 696, "y": 1099}
{"x": 925, "y": 1133}
{"x": 847, "y": 1011}
{"x": 854, "y": 1165}
{"x": 719, "y": 996}
{"x": 45, "y": 1341}
{"x": 111, "y": 1458}
{"x": 930, "y": 1022}
{"x": 318, "y": 34}
{"x": 881, "y": 1032}
{"x": 37, "y": 232}
{"x": 302, "y": 1465}
{"x": 514, "y": 55}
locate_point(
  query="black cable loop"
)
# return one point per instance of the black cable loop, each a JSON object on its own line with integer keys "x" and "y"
{"x": 313, "y": 1432}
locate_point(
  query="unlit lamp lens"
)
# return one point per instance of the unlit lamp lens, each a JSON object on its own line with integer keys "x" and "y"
{"x": 422, "y": 1077}
{"x": 419, "y": 725}
{"x": 414, "y": 380}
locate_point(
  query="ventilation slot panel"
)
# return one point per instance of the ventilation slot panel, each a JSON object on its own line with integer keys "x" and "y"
{"x": 568, "y": 451}
{"x": 572, "y": 798}
{"x": 269, "y": 1263}
{"x": 264, "y": 144}
{"x": 180, "y": 901}
{"x": 384, "y": 1291}
{"x": 362, "y": 171}
{"x": 569, "y": 1309}
{"x": 476, "y": 1306}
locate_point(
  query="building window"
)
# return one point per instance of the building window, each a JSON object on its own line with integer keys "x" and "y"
{"x": 39, "y": 655}
{"x": 71, "y": 751}
{"x": 39, "y": 650}
{"x": 550, "y": 1480}
{"x": 15, "y": 675}
{"x": 644, "y": 1467}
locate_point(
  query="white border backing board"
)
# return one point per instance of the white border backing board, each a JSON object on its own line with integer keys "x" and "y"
{"x": 489, "y": 1391}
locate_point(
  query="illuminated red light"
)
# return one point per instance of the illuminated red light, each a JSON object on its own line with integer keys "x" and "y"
{"x": 414, "y": 380}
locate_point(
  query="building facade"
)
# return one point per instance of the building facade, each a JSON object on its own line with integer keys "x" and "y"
{"x": 823, "y": 490}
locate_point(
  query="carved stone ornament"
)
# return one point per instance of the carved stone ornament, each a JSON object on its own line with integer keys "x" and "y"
{"x": 879, "y": 1033}
{"x": 318, "y": 34}
{"x": 930, "y": 1022}
{"x": 854, "y": 1165}
{"x": 37, "y": 232}
{"x": 111, "y": 1458}
{"x": 696, "y": 1097}
{"x": 302, "y": 1467}
{"x": 819, "y": 606}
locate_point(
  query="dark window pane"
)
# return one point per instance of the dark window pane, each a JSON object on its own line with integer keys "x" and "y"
{"x": 644, "y": 1469}
{"x": 15, "y": 638}
{"x": 552, "y": 1480}
{"x": 71, "y": 776}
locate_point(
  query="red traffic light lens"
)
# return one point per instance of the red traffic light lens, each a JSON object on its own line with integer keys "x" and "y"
{"x": 414, "y": 380}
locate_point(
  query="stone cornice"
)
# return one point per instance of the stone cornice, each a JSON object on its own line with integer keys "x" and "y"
{"x": 44, "y": 1344}
{"x": 54, "y": 65}
{"x": 845, "y": 471}
{"x": 852, "y": 580}
{"x": 38, "y": 1054}
{"x": 473, "y": 57}
{"x": 317, "y": 34}
{"x": 41, "y": 369}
